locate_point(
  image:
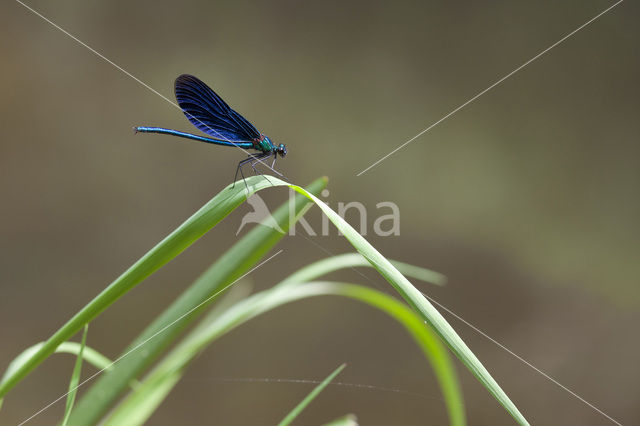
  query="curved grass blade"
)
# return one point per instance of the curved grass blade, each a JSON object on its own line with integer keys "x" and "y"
{"x": 352, "y": 260}
{"x": 143, "y": 401}
{"x": 89, "y": 355}
{"x": 75, "y": 378}
{"x": 176, "y": 242}
{"x": 239, "y": 259}
{"x": 307, "y": 400}
{"x": 418, "y": 302}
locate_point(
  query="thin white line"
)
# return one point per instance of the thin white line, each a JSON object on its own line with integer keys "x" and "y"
{"x": 150, "y": 337}
{"x": 477, "y": 330}
{"x": 374, "y": 164}
{"x": 315, "y": 382}
{"x": 488, "y": 337}
{"x": 491, "y": 87}
{"x": 491, "y": 339}
{"x": 136, "y": 79}
{"x": 99, "y": 54}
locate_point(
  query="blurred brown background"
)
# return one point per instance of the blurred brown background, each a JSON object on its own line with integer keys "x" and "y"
{"x": 527, "y": 199}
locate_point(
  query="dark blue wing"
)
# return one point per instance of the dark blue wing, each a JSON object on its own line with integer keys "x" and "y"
{"x": 209, "y": 113}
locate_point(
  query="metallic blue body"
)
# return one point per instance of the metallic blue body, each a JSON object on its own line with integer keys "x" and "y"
{"x": 142, "y": 129}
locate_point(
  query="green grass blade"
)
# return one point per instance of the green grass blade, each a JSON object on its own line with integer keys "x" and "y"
{"x": 89, "y": 355}
{"x": 75, "y": 378}
{"x": 181, "y": 238}
{"x": 240, "y": 258}
{"x": 419, "y": 303}
{"x": 353, "y": 260}
{"x": 428, "y": 341}
{"x": 307, "y": 400}
{"x": 141, "y": 403}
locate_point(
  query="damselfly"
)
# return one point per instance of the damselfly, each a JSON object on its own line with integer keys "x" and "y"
{"x": 209, "y": 113}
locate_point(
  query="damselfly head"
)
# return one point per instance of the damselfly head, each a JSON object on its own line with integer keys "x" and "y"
{"x": 282, "y": 150}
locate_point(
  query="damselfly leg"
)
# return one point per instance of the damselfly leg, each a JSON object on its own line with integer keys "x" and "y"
{"x": 252, "y": 159}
